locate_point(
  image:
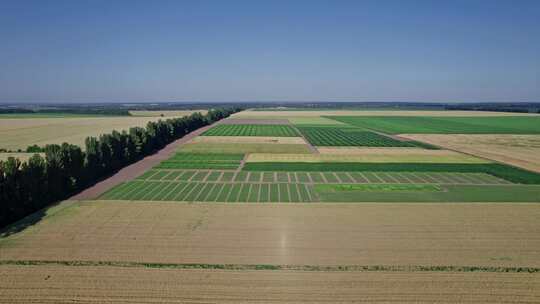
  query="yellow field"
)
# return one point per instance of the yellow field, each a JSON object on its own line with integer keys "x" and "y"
{"x": 499, "y": 235}
{"x": 166, "y": 113}
{"x": 288, "y": 114}
{"x": 372, "y": 156}
{"x": 248, "y": 140}
{"x": 19, "y": 133}
{"x": 518, "y": 150}
{"x": 81, "y": 284}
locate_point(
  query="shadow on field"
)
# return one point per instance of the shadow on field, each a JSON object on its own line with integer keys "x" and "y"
{"x": 24, "y": 223}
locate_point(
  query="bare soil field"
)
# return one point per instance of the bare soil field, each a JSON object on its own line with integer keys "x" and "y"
{"x": 81, "y": 284}
{"x": 518, "y": 150}
{"x": 286, "y": 114}
{"x": 377, "y": 155}
{"x": 19, "y": 133}
{"x": 459, "y": 234}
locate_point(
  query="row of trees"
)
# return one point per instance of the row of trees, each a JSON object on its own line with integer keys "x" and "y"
{"x": 26, "y": 187}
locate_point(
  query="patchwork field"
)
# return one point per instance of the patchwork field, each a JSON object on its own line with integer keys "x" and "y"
{"x": 251, "y": 114}
{"x": 296, "y": 206}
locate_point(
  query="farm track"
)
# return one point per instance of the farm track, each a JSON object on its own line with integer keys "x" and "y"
{"x": 132, "y": 171}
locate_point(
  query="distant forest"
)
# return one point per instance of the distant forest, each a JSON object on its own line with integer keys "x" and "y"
{"x": 122, "y": 109}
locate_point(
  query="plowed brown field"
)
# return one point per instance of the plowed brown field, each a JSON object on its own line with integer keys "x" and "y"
{"x": 61, "y": 284}
{"x": 285, "y": 234}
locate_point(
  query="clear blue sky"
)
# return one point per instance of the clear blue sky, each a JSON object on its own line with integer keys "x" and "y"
{"x": 81, "y": 51}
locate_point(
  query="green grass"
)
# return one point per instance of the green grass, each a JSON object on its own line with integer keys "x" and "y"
{"x": 327, "y": 136}
{"x": 252, "y": 130}
{"x": 376, "y": 188}
{"x": 505, "y": 172}
{"x": 446, "y": 125}
{"x": 451, "y": 193}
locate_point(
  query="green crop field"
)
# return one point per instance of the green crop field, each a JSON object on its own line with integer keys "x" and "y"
{"x": 202, "y": 161}
{"x": 373, "y": 177}
{"x": 252, "y": 130}
{"x": 326, "y": 136}
{"x": 445, "y": 125}
{"x": 508, "y": 173}
{"x": 447, "y": 193}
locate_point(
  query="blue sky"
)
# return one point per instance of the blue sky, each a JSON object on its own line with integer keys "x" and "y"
{"x": 83, "y": 51}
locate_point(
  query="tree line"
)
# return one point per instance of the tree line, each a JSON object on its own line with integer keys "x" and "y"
{"x": 65, "y": 169}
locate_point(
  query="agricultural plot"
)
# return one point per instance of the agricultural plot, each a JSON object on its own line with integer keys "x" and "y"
{"x": 377, "y": 156}
{"x": 252, "y": 130}
{"x": 518, "y": 150}
{"x": 19, "y": 133}
{"x": 318, "y": 136}
{"x": 511, "y": 174}
{"x": 25, "y": 284}
{"x": 215, "y": 191}
{"x": 482, "y": 235}
{"x": 183, "y": 160}
{"x": 323, "y": 177}
{"x": 446, "y": 125}
{"x": 284, "y": 187}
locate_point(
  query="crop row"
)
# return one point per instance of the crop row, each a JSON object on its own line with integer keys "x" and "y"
{"x": 323, "y": 177}
{"x": 252, "y": 130}
{"x": 202, "y": 161}
{"x": 318, "y": 136}
{"x": 511, "y": 174}
{"x": 210, "y": 192}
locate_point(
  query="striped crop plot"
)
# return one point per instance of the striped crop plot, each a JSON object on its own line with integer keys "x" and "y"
{"x": 445, "y": 125}
{"x": 252, "y": 130}
{"x": 329, "y": 136}
{"x": 184, "y": 160}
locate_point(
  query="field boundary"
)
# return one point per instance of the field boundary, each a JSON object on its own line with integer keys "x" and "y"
{"x": 250, "y": 267}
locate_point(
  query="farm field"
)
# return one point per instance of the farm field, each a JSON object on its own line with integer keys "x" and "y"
{"x": 318, "y": 136}
{"x": 518, "y": 150}
{"x": 184, "y": 160}
{"x": 295, "y": 207}
{"x": 25, "y": 284}
{"x": 483, "y": 235}
{"x": 245, "y": 148}
{"x": 377, "y": 156}
{"x": 252, "y": 130}
{"x": 446, "y": 125}
{"x": 19, "y": 133}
